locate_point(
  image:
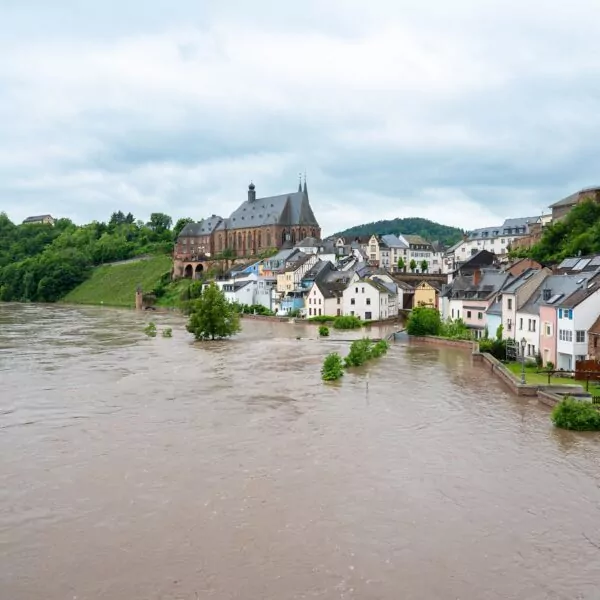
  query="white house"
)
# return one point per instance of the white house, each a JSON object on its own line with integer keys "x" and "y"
{"x": 575, "y": 315}
{"x": 325, "y": 298}
{"x": 419, "y": 250}
{"x": 391, "y": 250}
{"x": 514, "y": 296}
{"x": 496, "y": 239}
{"x": 367, "y": 300}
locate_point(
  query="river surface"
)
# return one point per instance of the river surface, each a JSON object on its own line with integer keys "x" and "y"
{"x": 134, "y": 468}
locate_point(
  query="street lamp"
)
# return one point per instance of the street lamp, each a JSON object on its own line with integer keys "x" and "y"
{"x": 523, "y": 344}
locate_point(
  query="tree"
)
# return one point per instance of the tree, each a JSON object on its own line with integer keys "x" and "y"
{"x": 424, "y": 266}
{"x": 159, "y": 222}
{"x": 212, "y": 316}
{"x": 424, "y": 321}
{"x": 333, "y": 367}
{"x": 401, "y": 264}
{"x": 181, "y": 223}
{"x": 413, "y": 265}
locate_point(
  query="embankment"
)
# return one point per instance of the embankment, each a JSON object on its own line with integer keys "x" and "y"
{"x": 115, "y": 285}
{"x": 546, "y": 394}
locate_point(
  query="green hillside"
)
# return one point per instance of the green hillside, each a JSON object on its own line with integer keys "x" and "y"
{"x": 115, "y": 285}
{"x": 412, "y": 226}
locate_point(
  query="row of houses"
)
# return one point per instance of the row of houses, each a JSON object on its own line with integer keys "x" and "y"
{"x": 317, "y": 278}
{"x": 550, "y": 313}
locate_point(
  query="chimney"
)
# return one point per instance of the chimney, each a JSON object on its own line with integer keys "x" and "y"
{"x": 476, "y": 277}
{"x": 251, "y": 193}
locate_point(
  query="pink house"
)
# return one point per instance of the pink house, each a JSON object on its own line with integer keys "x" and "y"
{"x": 548, "y": 334}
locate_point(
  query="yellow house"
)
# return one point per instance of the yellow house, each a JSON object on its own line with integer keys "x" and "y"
{"x": 426, "y": 295}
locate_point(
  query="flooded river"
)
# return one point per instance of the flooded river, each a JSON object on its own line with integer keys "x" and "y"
{"x": 143, "y": 469}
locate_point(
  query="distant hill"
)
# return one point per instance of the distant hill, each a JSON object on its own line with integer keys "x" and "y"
{"x": 412, "y": 226}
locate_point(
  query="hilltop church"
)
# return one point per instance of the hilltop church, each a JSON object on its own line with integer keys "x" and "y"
{"x": 257, "y": 225}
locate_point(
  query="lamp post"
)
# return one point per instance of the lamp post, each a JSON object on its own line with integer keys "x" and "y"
{"x": 523, "y": 344}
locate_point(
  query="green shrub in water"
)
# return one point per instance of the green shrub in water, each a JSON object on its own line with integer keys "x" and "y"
{"x": 333, "y": 367}
{"x": 324, "y": 331}
{"x": 347, "y": 322}
{"x": 167, "y": 333}
{"x": 150, "y": 329}
{"x": 578, "y": 416}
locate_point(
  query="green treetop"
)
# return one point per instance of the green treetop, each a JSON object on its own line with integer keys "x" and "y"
{"x": 212, "y": 316}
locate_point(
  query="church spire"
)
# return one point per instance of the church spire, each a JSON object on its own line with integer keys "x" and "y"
{"x": 305, "y": 188}
{"x": 299, "y": 182}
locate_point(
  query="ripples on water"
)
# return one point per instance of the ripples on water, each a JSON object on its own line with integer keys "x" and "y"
{"x": 136, "y": 468}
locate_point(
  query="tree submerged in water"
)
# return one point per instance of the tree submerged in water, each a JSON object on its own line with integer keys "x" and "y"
{"x": 212, "y": 316}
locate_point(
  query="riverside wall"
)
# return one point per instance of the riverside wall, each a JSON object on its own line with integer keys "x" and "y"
{"x": 548, "y": 395}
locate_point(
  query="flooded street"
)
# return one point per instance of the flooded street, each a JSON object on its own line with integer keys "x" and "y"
{"x": 134, "y": 468}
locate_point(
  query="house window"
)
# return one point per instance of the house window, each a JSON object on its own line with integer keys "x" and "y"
{"x": 548, "y": 329}
{"x": 310, "y": 312}
{"x": 521, "y": 323}
{"x": 351, "y": 313}
{"x": 319, "y": 300}
{"x": 356, "y": 289}
{"x": 453, "y": 313}
{"x": 560, "y": 313}
{"x": 368, "y": 316}
{"x": 353, "y": 301}
{"x": 339, "y": 312}
{"x": 565, "y": 335}
{"x": 339, "y": 300}
{"x": 510, "y": 304}
{"x": 580, "y": 336}
{"x": 368, "y": 300}
{"x": 480, "y": 315}
{"x": 362, "y": 290}
{"x": 468, "y": 314}
{"x": 319, "y": 312}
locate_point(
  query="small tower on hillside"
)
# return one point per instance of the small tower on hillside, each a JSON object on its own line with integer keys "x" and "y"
{"x": 139, "y": 298}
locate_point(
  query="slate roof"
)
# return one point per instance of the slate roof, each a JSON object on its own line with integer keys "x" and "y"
{"x": 393, "y": 241}
{"x": 296, "y": 264}
{"x": 518, "y": 281}
{"x": 415, "y": 240}
{"x": 573, "y": 198}
{"x": 562, "y": 286}
{"x": 318, "y": 270}
{"x": 203, "y": 227}
{"x": 483, "y": 258}
{"x": 491, "y": 282}
{"x": 308, "y": 242}
{"x": 495, "y": 309}
{"x": 586, "y": 289}
{"x": 390, "y": 287}
{"x": 36, "y": 218}
{"x": 331, "y": 289}
{"x": 285, "y": 209}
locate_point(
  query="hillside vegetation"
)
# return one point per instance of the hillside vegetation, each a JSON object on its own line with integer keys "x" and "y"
{"x": 412, "y": 226}
{"x": 42, "y": 263}
{"x": 577, "y": 234}
{"x": 115, "y": 285}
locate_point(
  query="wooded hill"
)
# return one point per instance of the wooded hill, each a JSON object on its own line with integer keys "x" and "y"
{"x": 578, "y": 234}
{"x": 428, "y": 230}
{"x": 42, "y": 262}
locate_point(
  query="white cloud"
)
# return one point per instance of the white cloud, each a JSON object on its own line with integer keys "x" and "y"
{"x": 463, "y": 113}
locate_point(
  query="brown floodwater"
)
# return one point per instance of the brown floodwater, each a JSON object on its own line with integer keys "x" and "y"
{"x": 136, "y": 468}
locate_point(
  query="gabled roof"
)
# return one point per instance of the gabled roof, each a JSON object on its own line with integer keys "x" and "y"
{"x": 308, "y": 242}
{"x": 415, "y": 240}
{"x": 318, "y": 270}
{"x": 573, "y": 198}
{"x": 483, "y": 258}
{"x": 393, "y": 241}
{"x": 203, "y": 227}
{"x": 296, "y": 264}
{"x": 37, "y": 218}
{"x": 514, "y": 284}
{"x": 285, "y": 209}
{"x": 585, "y": 289}
{"x": 331, "y": 289}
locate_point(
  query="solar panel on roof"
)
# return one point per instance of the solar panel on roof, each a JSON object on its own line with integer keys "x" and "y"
{"x": 581, "y": 264}
{"x": 595, "y": 261}
{"x": 568, "y": 263}
{"x": 580, "y": 281}
{"x": 555, "y": 298}
{"x": 528, "y": 275}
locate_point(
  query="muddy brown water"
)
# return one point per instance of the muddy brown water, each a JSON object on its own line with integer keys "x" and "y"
{"x": 136, "y": 468}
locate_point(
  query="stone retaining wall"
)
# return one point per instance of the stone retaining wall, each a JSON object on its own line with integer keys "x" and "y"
{"x": 440, "y": 341}
{"x": 273, "y": 319}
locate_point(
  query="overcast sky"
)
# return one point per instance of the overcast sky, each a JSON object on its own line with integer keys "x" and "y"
{"x": 464, "y": 112}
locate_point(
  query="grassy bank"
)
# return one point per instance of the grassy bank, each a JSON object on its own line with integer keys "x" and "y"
{"x": 115, "y": 285}
{"x": 532, "y": 376}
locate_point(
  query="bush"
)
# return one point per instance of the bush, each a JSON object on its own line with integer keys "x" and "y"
{"x": 539, "y": 361}
{"x": 379, "y": 349}
{"x": 360, "y": 353}
{"x": 167, "y": 333}
{"x": 150, "y": 329}
{"x": 549, "y": 366}
{"x": 424, "y": 321}
{"x": 252, "y": 309}
{"x": 295, "y": 312}
{"x": 323, "y": 331}
{"x": 347, "y": 322}
{"x": 332, "y": 368}
{"x": 497, "y": 348}
{"x": 456, "y": 330}
{"x": 321, "y": 319}
{"x": 578, "y": 416}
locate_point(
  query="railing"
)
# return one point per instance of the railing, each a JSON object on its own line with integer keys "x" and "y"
{"x": 591, "y": 375}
